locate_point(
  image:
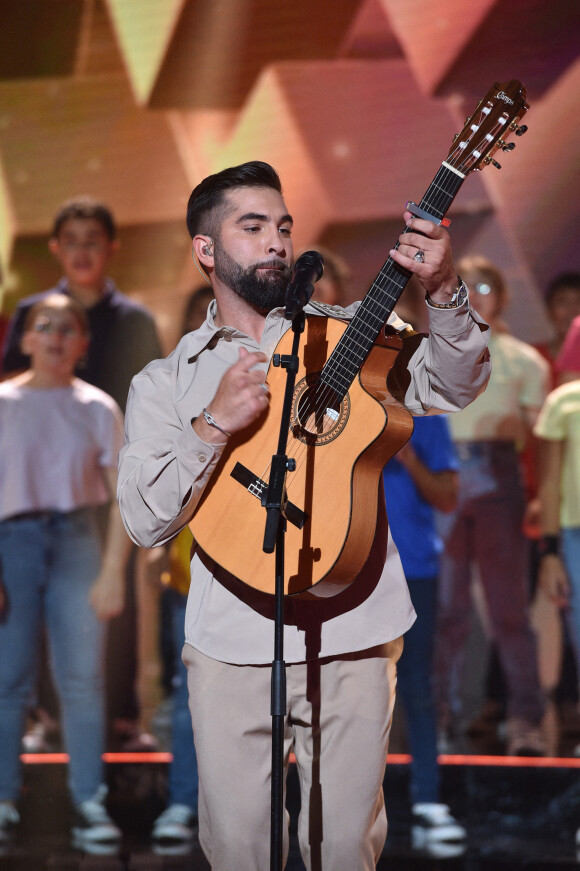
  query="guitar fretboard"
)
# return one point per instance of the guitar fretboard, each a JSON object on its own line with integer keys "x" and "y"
{"x": 353, "y": 348}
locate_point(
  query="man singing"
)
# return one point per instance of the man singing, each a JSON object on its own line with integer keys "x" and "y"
{"x": 341, "y": 652}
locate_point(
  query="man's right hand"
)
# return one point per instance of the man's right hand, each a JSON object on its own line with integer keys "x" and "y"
{"x": 242, "y": 396}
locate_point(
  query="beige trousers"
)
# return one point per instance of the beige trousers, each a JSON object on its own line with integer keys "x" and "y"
{"x": 339, "y": 713}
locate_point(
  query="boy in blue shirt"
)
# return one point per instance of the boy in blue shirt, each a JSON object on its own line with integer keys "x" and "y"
{"x": 418, "y": 480}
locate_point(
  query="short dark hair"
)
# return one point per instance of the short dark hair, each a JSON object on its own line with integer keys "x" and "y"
{"x": 563, "y": 281}
{"x": 88, "y": 209}
{"x": 208, "y": 198}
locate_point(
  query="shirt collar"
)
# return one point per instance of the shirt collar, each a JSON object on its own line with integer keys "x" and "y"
{"x": 210, "y": 332}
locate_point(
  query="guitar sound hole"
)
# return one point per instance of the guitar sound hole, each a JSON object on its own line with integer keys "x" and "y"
{"x": 318, "y": 414}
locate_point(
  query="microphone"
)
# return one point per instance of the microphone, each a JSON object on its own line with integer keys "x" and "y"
{"x": 307, "y": 270}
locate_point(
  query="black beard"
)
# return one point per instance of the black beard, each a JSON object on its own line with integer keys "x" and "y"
{"x": 263, "y": 293}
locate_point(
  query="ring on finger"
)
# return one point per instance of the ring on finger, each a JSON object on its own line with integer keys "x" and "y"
{"x": 419, "y": 256}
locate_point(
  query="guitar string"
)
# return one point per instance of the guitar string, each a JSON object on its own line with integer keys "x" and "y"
{"x": 437, "y": 199}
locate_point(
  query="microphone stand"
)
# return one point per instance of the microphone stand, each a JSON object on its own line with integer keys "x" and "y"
{"x": 274, "y": 502}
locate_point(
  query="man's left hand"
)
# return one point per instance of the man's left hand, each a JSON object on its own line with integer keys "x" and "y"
{"x": 436, "y": 271}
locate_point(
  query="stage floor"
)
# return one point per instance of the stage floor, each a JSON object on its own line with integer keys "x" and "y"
{"x": 520, "y": 814}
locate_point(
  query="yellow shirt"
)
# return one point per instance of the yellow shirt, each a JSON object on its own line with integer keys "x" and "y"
{"x": 179, "y": 575}
{"x": 559, "y": 420}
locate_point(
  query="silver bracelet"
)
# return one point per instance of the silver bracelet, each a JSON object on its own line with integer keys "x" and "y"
{"x": 213, "y": 422}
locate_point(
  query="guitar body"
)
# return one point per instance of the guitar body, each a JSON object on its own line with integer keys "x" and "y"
{"x": 332, "y": 493}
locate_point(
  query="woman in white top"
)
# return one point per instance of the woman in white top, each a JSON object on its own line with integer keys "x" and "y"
{"x": 59, "y": 441}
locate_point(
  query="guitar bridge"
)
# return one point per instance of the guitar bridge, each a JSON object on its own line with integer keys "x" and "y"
{"x": 257, "y": 487}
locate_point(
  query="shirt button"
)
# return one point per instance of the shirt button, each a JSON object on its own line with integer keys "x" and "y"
{"x": 202, "y": 458}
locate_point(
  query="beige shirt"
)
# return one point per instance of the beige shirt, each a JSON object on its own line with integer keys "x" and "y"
{"x": 165, "y": 466}
{"x": 519, "y": 382}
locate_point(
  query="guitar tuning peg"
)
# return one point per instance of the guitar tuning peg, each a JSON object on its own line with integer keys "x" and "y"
{"x": 508, "y": 147}
{"x": 521, "y": 130}
{"x": 496, "y": 164}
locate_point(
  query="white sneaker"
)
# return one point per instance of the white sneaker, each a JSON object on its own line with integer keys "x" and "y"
{"x": 177, "y": 823}
{"x": 92, "y": 823}
{"x": 9, "y": 819}
{"x": 433, "y": 822}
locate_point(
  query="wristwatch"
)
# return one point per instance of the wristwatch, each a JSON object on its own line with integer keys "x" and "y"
{"x": 459, "y": 296}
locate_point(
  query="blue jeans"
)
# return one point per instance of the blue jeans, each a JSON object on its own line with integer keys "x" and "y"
{"x": 183, "y": 777}
{"x": 415, "y": 689}
{"x": 486, "y": 529}
{"x": 48, "y": 562}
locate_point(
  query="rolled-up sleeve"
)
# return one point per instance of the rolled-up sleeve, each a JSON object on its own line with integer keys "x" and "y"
{"x": 448, "y": 368}
{"x": 163, "y": 467}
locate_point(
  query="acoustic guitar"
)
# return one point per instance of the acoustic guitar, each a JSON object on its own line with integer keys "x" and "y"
{"x": 344, "y": 425}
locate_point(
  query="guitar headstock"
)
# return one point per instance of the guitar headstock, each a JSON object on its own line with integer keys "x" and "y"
{"x": 487, "y": 129}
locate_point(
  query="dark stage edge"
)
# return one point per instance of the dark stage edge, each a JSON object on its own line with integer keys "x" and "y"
{"x": 519, "y": 816}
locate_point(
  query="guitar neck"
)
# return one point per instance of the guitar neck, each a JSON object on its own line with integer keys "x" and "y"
{"x": 352, "y": 350}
